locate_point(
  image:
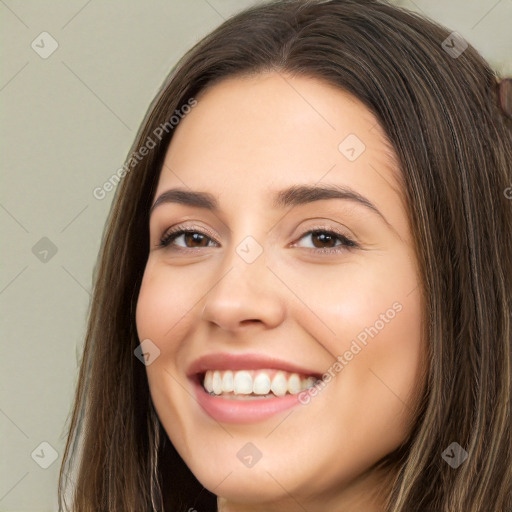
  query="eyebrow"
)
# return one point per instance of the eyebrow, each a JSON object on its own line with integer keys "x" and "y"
{"x": 187, "y": 197}
{"x": 289, "y": 197}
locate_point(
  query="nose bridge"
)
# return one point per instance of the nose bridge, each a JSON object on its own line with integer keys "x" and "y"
{"x": 242, "y": 271}
{"x": 244, "y": 289}
{"x": 247, "y": 255}
{"x": 248, "y": 261}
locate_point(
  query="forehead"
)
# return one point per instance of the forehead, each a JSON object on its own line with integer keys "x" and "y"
{"x": 254, "y": 134}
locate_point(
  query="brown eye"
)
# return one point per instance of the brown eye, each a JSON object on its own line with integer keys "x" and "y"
{"x": 325, "y": 240}
{"x": 186, "y": 239}
{"x": 195, "y": 240}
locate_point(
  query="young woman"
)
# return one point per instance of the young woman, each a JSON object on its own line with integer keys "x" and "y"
{"x": 303, "y": 298}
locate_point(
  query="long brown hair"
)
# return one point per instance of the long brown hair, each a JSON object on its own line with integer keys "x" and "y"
{"x": 440, "y": 113}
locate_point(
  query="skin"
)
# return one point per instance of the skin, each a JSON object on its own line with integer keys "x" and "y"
{"x": 247, "y": 138}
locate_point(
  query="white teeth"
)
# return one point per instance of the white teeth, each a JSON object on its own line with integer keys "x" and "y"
{"x": 257, "y": 383}
{"x": 294, "y": 384}
{"x": 227, "y": 382}
{"x": 279, "y": 385}
{"x": 208, "y": 382}
{"x": 261, "y": 384}
{"x": 217, "y": 383}
{"x": 308, "y": 383}
{"x": 242, "y": 383}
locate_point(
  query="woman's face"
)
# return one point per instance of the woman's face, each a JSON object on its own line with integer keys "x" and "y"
{"x": 299, "y": 268}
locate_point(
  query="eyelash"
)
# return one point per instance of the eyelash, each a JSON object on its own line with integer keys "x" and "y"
{"x": 345, "y": 245}
{"x": 172, "y": 234}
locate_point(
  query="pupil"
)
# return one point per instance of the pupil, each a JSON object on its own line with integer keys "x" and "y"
{"x": 324, "y": 239}
{"x": 196, "y": 239}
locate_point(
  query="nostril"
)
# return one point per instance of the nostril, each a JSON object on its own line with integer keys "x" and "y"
{"x": 255, "y": 320}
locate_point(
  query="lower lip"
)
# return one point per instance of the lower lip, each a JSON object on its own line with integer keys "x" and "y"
{"x": 225, "y": 410}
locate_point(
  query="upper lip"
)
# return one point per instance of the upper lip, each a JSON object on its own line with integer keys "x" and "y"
{"x": 251, "y": 361}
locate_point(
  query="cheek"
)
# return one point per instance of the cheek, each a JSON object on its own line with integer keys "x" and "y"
{"x": 337, "y": 303}
{"x": 383, "y": 352}
{"x": 166, "y": 297}
{"x": 369, "y": 314}
{"x": 164, "y": 314}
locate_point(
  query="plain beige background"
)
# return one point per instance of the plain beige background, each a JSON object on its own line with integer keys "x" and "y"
{"x": 68, "y": 122}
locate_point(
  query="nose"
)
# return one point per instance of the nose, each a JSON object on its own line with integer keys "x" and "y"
{"x": 244, "y": 295}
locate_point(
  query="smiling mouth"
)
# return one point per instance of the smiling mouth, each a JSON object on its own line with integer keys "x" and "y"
{"x": 254, "y": 384}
